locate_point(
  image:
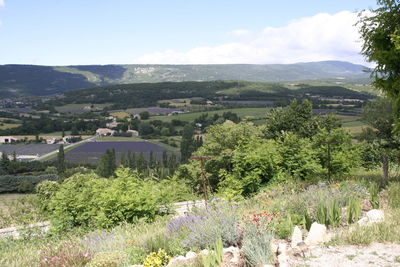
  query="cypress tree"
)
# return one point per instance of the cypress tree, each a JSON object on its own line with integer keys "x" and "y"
{"x": 141, "y": 162}
{"x": 112, "y": 164}
{"x": 165, "y": 159}
{"x": 132, "y": 160}
{"x": 61, "y": 160}
{"x": 187, "y": 143}
{"x": 152, "y": 160}
{"x": 4, "y": 163}
{"x": 107, "y": 164}
{"x": 172, "y": 164}
{"x": 102, "y": 166}
{"x": 124, "y": 160}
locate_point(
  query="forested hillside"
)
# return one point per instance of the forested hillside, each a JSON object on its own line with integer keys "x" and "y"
{"x": 147, "y": 94}
{"x": 17, "y": 80}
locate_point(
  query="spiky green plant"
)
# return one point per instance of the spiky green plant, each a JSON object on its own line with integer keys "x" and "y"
{"x": 374, "y": 195}
{"x": 334, "y": 213}
{"x": 322, "y": 216}
{"x": 215, "y": 257}
{"x": 353, "y": 210}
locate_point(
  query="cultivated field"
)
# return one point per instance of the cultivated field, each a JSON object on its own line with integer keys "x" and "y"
{"x": 30, "y": 149}
{"x": 256, "y": 113}
{"x": 80, "y": 108}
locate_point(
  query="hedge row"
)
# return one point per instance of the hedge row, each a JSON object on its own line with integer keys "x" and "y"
{"x": 11, "y": 184}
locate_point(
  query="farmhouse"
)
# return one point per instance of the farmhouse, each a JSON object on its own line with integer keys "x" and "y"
{"x": 7, "y": 139}
{"x": 133, "y": 132}
{"x": 104, "y": 132}
{"x": 112, "y": 124}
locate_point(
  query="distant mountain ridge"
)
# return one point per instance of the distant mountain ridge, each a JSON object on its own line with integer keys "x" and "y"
{"x": 37, "y": 80}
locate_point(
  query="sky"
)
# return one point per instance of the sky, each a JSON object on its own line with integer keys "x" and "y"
{"x": 83, "y": 32}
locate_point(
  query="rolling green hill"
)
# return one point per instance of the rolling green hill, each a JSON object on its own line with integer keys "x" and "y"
{"x": 148, "y": 94}
{"x": 16, "y": 80}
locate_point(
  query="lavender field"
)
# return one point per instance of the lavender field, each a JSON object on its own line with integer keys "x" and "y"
{"x": 30, "y": 149}
{"x": 92, "y": 151}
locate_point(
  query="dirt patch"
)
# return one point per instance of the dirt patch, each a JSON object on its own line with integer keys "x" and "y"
{"x": 376, "y": 254}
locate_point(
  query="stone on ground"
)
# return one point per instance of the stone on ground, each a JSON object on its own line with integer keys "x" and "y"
{"x": 297, "y": 236}
{"x": 316, "y": 235}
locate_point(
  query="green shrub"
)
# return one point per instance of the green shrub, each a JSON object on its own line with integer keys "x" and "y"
{"x": 89, "y": 201}
{"x": 45, "y": 190}
{"x": 283, "y": 227}
{"x": 219, "y": 219}
{"x": 11, "y": 184}
{"x": 172, "y": 246}
{"x": 256, "y": 244}
{"x": 394, "y": 195}
{"x": 26, "y": 187}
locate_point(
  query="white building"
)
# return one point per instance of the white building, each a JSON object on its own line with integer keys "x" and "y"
{"x": 112, "y": 124}
{"x": 104, "y": 132}
{"x": 133, "y": 132}
{"x": 7, "y": 139}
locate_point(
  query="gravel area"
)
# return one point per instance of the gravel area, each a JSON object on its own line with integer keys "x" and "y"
{"x": 376, "y": 254}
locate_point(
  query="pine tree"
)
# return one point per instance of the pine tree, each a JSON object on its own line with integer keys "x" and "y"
{"x": 61, "y": 160}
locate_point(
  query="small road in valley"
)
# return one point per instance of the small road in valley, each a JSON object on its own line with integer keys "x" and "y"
{"x": 65, "y": 147}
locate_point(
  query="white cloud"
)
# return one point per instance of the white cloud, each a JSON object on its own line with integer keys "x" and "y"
{"x": 320, "y": 37}
{"x": 239, "y": 33}
{"x": 2, "y": 3}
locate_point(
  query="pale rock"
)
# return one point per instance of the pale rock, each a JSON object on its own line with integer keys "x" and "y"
{"x": 274, "y": 247}
{"x": 372, "y": 216}
{"x": 375, "y": 216}
{"x": 317, "y": 234}
{"x": 363, "y": 221}
{"x": 297, "y": 236}
{"x": 283, "y": 259}
{"x": 191, "y": 255}
{"x": 234, "y": 253}
{"x": 268, "y": 265}
{"x": 180, "y": 260}
{"x": 205, "y": 252}
{"x": 282, "y": 249}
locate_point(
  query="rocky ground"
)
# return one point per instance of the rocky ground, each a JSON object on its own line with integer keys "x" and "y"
{"x": 374, "y": 255}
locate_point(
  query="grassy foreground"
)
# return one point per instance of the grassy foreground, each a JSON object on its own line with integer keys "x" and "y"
{"x": 276, "y": 209}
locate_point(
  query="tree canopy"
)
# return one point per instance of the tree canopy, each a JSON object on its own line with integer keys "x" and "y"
{"x": 380, "y": 34}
